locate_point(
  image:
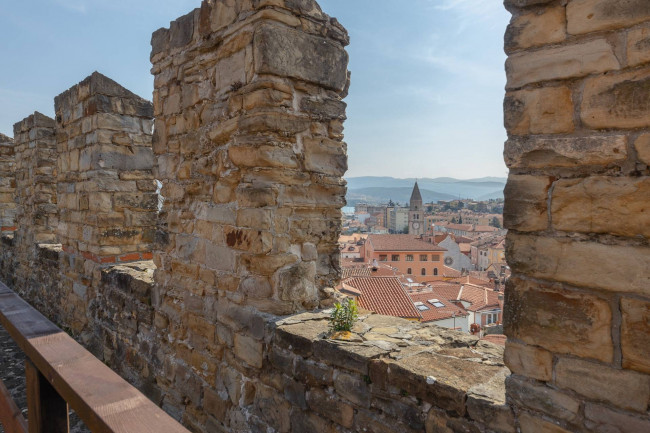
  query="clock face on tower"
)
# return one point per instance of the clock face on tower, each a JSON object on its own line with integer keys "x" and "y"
{"x": 416, "y": 225}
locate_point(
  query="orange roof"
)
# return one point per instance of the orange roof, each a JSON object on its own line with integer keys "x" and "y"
{"x": 434, "y": 312}
{"x": 485, "y": 229}
{"x": 401, "y": 243}
{"x": 468, "y": 279}
{"x": 480, "y": 297}
{"x": 384, "y": 295}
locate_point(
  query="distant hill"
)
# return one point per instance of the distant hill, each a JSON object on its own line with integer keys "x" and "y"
{"x": 398, "y": 195}
{"x": 378, "y": 189}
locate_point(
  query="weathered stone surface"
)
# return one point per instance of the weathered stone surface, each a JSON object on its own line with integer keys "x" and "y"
{"x": 638, "y": 46}
{"x": 529, "y": 361}
{"x": 635, "y": 334}
{"x": 561, "y": 322}
{"x": 286, "y": 52}
{"x": 586, "y": 16}
{"x": 617, "y": 101}
{"x": 587, "y": 264}
{"x": 525, "y": 207}
{"x": 536, "y": 28}
{"x": 600, "y": 204}
{"x": 625, "y": 389}
{"x": 249, "y": 350}
{"x": 330, "y": 407}
{"x": 548, "y": 110}
{"x": 568, "y": 61}
{"x": 543, "y": 152}
{"x": 642, "y": 147}
{"x": 603, "y": 419}
{"x": 529, "y": 423}
{"x": 524, "y": 3}
{"x": 542, "y": 398}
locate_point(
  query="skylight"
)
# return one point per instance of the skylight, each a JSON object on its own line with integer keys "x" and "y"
{"x": 420, "y": 306}
{"x": 436, "y": 303}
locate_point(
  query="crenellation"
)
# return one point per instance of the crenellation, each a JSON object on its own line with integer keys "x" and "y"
{"x": 8, "y": 206}
{"x": 579, "y": 253}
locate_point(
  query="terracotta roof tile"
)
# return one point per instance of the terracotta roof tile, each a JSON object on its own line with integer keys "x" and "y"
{"x": 401, "y": 243}
{"x": 437, "y": 313}
{"x": 384, "y": 295}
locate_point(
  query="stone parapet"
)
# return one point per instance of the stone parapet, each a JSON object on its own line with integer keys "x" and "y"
{"x": 8, "y": 206}
{"x": 577, "y": 308}
{"x": 248, "y": 141}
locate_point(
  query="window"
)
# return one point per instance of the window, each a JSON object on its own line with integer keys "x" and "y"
{"x": 408, "y": 271}
{"x": 492, "y": 318}
{"x": 435, "y": 258}
{"x": 435, "y": 271}
{"x": 394, "y": 258}
{"x": 424, "y": 257}
{"x": 420, "y": 306}
{"x": 436, "y": 303}
{"x": 409, "y": 257}
{"x": 424, "y": 271}
{"x": 383, "y": 258}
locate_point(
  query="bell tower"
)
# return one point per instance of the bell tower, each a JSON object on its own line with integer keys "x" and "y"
{"x": 416, "y": 212}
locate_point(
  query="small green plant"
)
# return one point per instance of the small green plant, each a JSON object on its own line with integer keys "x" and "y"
{"x": 344, "y": 315}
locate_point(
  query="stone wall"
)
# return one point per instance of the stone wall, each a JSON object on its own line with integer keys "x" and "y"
{"x": 249, "y": 148}
{"x": 577, "y": 111}
{"x": 7, "y": 185}
{"x": 107, "y": 200}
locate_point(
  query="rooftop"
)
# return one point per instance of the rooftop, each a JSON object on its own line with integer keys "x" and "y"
{"x": 401, "y": 243}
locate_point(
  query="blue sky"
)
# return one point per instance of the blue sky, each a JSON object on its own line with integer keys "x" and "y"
{"x": 427, "y": 75}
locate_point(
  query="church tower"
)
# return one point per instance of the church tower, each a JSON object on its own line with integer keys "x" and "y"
{"x": 416, "y": 212}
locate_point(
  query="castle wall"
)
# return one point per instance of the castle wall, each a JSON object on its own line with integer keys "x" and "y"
{"x": 577, "y": 113}
{"x": 7, "y": 185}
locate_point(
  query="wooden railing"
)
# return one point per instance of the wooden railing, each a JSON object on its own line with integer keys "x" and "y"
{"x": 60, "y": 372}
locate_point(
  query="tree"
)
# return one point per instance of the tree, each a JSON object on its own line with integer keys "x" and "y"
{"x": 460, "y": 219}
{"x": 390, "y": 203}
{"x": 454, "y": 220}
{"x": 495, "y": 223}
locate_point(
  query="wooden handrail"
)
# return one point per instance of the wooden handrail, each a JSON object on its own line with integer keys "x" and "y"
{"x": 103, "y": 400}
{"x": 10, "y": 416}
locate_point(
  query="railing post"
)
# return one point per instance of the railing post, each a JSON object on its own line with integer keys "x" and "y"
{"x": 47, "y": 411}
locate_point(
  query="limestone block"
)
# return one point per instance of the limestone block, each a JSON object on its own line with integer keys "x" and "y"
{"x": 263, "y": 156}
{"x": 526, "y": 202}
{"x": 529, "y": 423}
{"x": 323, "y": 155}
{"x": 586, "y": 16}
{"x": 525, "y": 3}
{"x": 568, "y": 61}
{"x": 642, "y": 147}
{"x": 231, "y": 71}
{"x": 543, "y": 152}
{"x": 638, "y": 46}
{"x": 272, "y": 408}
{"x": 548, "y": 110}
{"x": 617, "y": 101}
{"x": 536, "y": 28}
{"x": 249, "y": 350}
{"x": 542, "y": 398}
{"x": 635, "y": 334}
{"x": 613, "y": 268}
{"x": 625, "y": 389}
{"x": 601, "y": 204}
{"x": 330, "y": 407}
{"x": 282, "y": 51}
{"x": 601, "y": 418}
{"x": 529, "y": 361}
{"x": 561, "y": 322}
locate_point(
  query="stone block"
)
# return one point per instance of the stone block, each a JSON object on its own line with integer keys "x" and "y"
{"x": 180, "y": 32}
{"x": 526, "y": 206}
{"x": 532, "y": 424}
{"x": 272, "y": 408}
{"x": 286, "y": 52}
{"x": 524, "y": 3}
{"x": 330, "y": 407}
{"x": 542, "y": 398}
{"x": 546, "y": 152}
{"x": 529, "y": 361}
{"x": 614, "y": 268}
{"x": 585, "y": 16}
{"x": 635, "y": 334}
{"x": 558, "y": 63}
{"x": 305, "y": 421}
{"x": 352, "y": 388}
{"x": 219, "y": 258}
{"x": 326, "y": 156}
{"x": 625, "y": 389}
{"x": 599, "y": 204}
{"x": 249, "y": 350}
{"x": 263, "y": 156}
{"x": 617, "y": 101}
{"x": 603, "y": 419}
{"x": 548, "y": 110}
{"x": 642, "y": 147}
{"x": 537, "y": 28}
{"x": 638, "y": 46}
{"x": 559, "y": 321}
